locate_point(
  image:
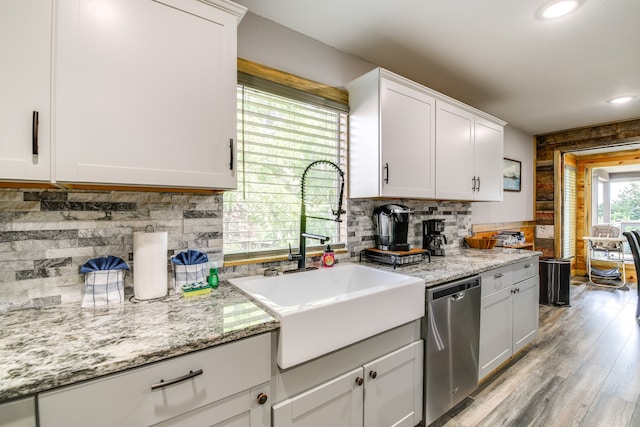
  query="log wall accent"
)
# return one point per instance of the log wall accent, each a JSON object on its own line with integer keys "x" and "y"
{"x": 488, "y": 230}
{"x": 548, "y": 148}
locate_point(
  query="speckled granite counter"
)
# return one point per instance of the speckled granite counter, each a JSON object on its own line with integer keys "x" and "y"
{"x": 459, "y": 263}
{"x": 45, "y": 348}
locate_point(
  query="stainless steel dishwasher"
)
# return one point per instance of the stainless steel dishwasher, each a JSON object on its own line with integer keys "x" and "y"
{"x": 451, "y": 330}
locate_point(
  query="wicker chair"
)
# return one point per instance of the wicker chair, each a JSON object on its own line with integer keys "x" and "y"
{"x": 634, "y": 242}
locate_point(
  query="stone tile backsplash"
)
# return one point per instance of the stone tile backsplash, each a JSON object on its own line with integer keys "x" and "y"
{"x": 47, "y": 235}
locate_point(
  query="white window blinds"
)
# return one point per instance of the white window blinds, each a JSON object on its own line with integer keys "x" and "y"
{"x": 278, "y": 137}
{"x": 569, "y": 215}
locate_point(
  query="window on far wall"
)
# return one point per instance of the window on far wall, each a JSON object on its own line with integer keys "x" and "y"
{"x": 617, "y": 192}
{"x": 280, "y": 132}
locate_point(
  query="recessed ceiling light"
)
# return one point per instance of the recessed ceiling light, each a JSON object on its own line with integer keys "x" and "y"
{"x": 557, "y": 9}
{"x": 621, "y": 99}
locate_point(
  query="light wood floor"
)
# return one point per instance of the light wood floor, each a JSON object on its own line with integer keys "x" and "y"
{"x": 582, "y": 370}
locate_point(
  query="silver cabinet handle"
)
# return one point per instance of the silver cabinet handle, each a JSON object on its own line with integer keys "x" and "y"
{"x": 497, "y": 276}
{"x": 386, "y": 174}
{"x": 473, "y": 186}
{"x": 478, "y": 189}
{"x": 188, "y": 376}
{"x": 231, "y": 154}
{"x": 528, "y": 265}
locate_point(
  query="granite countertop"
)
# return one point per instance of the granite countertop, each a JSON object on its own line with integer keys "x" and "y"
{"x": 45, "y": 348}
{"x": 41, "y": 349}
{"x": 458, "y": 263}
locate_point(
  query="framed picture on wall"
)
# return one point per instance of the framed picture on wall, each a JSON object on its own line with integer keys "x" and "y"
{"x": 511, "y": 175}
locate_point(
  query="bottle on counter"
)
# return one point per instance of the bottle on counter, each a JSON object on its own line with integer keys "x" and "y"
{"x": 213, "y": 277}
{"x": 328, "y": 258}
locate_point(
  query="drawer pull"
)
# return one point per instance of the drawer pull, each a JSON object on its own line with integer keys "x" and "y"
{"x": 262, "y": 398}
{"x": 528, "y": 265}
{"x": 359, "y": 381}
{"x": 497, "y": 276}
{"x": 188, "y": 376}
{"x": 373, "y": 374}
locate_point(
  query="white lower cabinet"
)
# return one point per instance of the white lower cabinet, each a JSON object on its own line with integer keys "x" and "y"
{"x": 18, "y": 413}
{"x": 526, "y": 297}
{"x": 509, "y": 313}
{"x": 384, "y": 392}
{"x": 223, "y": 386}
{"x": 338, "y": 402}
{"x": 393, "y": 388}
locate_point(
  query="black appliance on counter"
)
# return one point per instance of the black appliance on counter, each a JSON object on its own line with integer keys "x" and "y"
{"x": 433, "y": 238}
{"x": 392, "y": 227}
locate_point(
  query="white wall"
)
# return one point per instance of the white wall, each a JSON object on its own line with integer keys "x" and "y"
{"x": 516, "y": 206}
{"x": 271, "y": 44}
{"x": 268, "y": 43}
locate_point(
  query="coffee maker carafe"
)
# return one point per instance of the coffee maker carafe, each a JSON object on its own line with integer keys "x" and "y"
{"x": 392, "y": 227}
{"x": 433, "y": 238}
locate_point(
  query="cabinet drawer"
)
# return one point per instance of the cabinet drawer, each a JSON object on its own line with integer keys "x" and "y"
{"x": 127, "y": 399}
{"x": 525, "y": 269}
{"x": 18, "y": 413}
{"x": 495, "y": 280}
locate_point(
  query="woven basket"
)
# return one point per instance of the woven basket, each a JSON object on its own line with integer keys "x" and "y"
{"x": 477, "y": 243}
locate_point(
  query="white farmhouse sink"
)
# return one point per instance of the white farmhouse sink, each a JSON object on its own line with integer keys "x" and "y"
{"x": 326, "y": 309}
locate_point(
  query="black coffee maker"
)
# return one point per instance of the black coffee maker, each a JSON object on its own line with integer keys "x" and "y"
{"x": 392, "y": 227}
{"x": 433, "y": 238}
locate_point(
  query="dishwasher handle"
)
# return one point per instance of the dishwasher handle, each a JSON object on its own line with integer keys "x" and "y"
{"x": 452, "y": 289}
{"x": 458, "y": 296}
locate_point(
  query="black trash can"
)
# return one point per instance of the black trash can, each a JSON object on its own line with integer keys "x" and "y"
{"x": 555, "y": 281}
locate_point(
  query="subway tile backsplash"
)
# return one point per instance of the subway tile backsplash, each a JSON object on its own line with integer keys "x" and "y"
{"x": 47, "y": 235}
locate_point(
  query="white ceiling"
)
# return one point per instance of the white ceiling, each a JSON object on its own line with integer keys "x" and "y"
{"x": 496, "y": 55}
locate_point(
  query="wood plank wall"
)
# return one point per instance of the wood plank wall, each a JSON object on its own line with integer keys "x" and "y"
{"x": 488, "y": 230}
{"x": 548, "y": 148}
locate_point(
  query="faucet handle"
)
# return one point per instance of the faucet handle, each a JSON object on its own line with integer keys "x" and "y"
{"x": 292, "y": 256}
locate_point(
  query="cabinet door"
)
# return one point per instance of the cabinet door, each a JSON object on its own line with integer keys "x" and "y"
{"x": 335, "y": 403}
{"x": 407, "y": 135}
{"x": 18, "y": 413}
{"x": 393, "y": 388}
{"x": 25, "y": 75}
{"x": 241, "y": 410}
{"x": 525, "y": 312}
{"x": 454, "y": 153}
{"x": 488, "y": 147}
{"x": 146, "y": 93}
{"x": 496, "y": 331}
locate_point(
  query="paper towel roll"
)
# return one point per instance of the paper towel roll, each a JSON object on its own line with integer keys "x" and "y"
{"x": 149, "y": 265}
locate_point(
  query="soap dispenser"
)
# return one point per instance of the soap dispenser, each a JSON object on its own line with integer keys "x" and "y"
{"x": 328, "y": 259}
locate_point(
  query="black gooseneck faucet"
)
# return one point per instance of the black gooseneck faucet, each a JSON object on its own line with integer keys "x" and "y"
{"x": 304, "y": 235}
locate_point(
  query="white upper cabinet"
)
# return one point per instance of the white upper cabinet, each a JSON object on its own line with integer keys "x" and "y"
{"x": 455, "y": 173}
{"x": 488, "y": 155}
{"x": 25, "y": 89}
{"x": 469, "y": 155}
{"x": 407, "y": 140}
{"x": 391, "y": 146}
{"x": 145, "y": 92}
